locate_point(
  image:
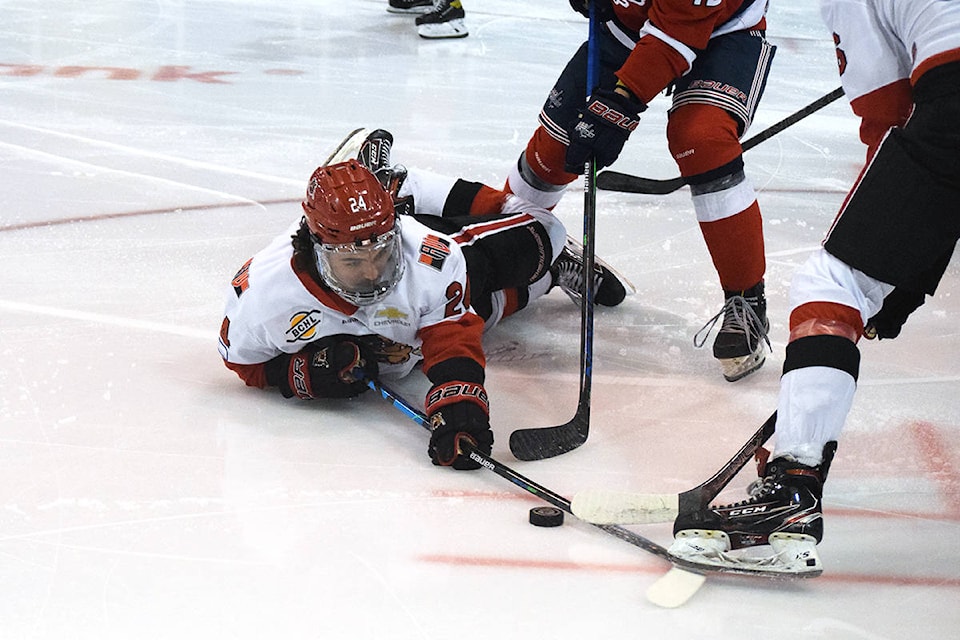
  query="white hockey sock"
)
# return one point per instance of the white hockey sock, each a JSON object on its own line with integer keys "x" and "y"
{"x": 813, "y": 406}
{"x": 517, "y": 185}
{"x": 429, "y": 190}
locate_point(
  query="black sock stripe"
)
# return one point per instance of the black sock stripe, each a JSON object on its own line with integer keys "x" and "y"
{"x": 460, "y": 197}
{"x": 823, "y": 351}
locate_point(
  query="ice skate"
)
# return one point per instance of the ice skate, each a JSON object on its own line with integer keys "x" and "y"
{"x": 784, "y": 513}
{"x": 444, "y": 21}
{"x": 374, "y": 154}
{"x": 374, "y": 151}
{"x": 348, "y": 148}
{"x": 610, "y": 288}
{"x": 410, "y": 7}
{"x": 742, "y": 343}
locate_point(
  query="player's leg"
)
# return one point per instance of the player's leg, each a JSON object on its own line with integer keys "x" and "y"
{"x": 713, "y": 106}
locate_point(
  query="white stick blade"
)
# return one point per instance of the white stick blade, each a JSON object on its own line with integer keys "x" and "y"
{"x": 600, "y": 506}
{"x": 674, "y": 588}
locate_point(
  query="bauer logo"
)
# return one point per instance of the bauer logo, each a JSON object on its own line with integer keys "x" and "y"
{"x": 482, "y": 461}
{"x": 303, "y": 325}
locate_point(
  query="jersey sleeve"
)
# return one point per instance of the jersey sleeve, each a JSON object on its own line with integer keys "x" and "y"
{"x": 874, "y": 69}
{"x": 451, "y": 333}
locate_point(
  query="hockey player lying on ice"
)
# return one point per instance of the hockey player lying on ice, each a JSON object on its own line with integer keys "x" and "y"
{"x": 355, "y": 289}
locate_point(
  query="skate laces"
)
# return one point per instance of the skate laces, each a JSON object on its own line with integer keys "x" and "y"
{"x": 738, "y": 317}
{"x": 570, "y": 276}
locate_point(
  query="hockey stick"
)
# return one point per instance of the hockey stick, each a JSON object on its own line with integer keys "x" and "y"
{"x": 524, "y": 483}
{"x": 538, "y": 443}
{"x": 672, "y": 589}
{"x": 626, "y": 183}
{"x": 618, "y": 507}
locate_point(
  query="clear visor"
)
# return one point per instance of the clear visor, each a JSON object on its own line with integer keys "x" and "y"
{"x": 364, "y": 273}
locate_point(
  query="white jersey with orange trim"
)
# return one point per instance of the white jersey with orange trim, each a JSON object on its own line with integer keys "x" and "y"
{"x": 882, "y": 41}
{"x": 272, "y": 308}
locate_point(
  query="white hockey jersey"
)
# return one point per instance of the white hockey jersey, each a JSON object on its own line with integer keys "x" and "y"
{"x": 882, "y": 41}
{"x": 884, "y": 46}
{"x": 273, "y": 308}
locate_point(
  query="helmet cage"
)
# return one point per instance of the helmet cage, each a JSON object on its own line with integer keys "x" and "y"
{"x": 362, "y": 272}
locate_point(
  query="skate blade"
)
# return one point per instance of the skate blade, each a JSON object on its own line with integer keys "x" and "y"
{"x": 412, "y": 11}
{"x": 792, "y": 555}
{"x": 797, "y": 552}
{"x": 736, "y": 368}
{"x": 450, "y": 29}
{"x": 348, "y": 148}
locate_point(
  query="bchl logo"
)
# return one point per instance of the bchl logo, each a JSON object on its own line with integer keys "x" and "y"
{"x": 612, "y": 116}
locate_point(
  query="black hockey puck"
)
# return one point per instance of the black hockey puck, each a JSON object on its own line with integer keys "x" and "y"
{"x": 546, "y": 517}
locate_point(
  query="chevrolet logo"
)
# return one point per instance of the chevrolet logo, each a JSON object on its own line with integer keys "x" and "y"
{"x": 391, "y": 313}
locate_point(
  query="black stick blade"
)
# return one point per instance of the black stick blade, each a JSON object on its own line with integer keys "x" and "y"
{"x": 546, "y": 442}
{"x": 626, "y": 183}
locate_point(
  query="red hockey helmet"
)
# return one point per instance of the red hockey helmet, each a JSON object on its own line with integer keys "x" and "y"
{"x": 356, "y": 232}
{"x": 346, "y": 203}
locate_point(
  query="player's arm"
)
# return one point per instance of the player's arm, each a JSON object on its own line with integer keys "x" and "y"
{"x": 668, "y": 45}
{"x": 255, "y": 339}
{"x": 330, "y": 367}
{"x": 874, "y": 74}
{"x": 453, "y": 360}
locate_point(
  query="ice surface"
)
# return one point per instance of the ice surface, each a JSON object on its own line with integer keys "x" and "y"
{"x": 149, "y": 148}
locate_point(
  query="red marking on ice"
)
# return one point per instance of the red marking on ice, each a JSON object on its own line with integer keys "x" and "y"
{"x": 935, "y": 460}
{"x": 145, "y": 212}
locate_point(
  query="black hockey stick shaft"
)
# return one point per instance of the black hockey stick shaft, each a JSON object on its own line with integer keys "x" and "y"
{"x": 528, "y": 485}
{"x": 551, "y": 497}
{"x": 696, "y": 500}
{"x": 538, "y": 443}
{"x": 626, "y": 183}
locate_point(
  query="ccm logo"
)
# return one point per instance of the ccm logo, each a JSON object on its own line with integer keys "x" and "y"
{"x": 747, "y": 511}
{"x": 612, "y": 116}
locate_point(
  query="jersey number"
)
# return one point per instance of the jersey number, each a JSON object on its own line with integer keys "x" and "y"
{"x": 454, "y": 300}
{"x": 841, "y": 56}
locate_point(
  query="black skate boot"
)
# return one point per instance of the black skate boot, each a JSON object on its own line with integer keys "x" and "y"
{"x": 567, "y": 270}
{"x": 374, "y": 154}
{"x": 742, "y": 342}
{"x": 410, "y": 6}
{"x": 445, "y": 21}
{"x": 784, "y": 512}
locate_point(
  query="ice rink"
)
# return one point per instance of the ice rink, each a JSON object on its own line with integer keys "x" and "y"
{"x": 148, "y": 149}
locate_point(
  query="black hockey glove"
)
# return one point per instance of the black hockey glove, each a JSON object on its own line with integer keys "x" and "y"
{"x": 332, "y": 367}
{"x": 604, "y": 8}
{"x": 602, "y": 128}
{"x": 458, "y": 411}
{"x": 897, "y": 306}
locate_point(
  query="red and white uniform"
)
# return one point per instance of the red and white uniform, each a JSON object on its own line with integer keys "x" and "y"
{"x": 274, "y": 307}
{"x": 671, "y": 33}
{"x": 883, "y": 47}
{"x": 282, "y": 309}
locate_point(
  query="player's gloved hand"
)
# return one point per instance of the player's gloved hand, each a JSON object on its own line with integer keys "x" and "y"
{"x": 331, "y": 367}
{"x": 604, "y": 8}
{"x": 897, "y": 306}
{"x": 602, "y": 128}
{"x": 458, "y": 411}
